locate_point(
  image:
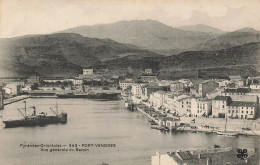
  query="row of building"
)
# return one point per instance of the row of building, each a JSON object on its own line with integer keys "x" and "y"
{"x": 214, "y": 98}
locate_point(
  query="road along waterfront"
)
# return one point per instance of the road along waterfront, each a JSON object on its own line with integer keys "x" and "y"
{"x": 92, "y": 124}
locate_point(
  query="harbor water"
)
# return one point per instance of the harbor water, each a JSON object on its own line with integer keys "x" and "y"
{"x": 91, "y": 124}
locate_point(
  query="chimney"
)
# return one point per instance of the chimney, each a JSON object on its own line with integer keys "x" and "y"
{"x": 209, "y": 161}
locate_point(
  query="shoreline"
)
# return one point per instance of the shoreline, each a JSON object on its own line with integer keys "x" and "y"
{"x": 214, "y": 124}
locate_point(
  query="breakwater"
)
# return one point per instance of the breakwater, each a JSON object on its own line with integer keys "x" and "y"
{"x": 15, "y": 99}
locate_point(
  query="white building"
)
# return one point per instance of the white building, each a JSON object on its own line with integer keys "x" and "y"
{"x": 157, "y": 98}
{"x": 201, "y": 107}
{"x": 219, "y": 105}
{"x": 88, "y": 71}
{"x": 125, "y": 84}
{"x": 137, "y": 89}
{"x": 78, "y": 82}
{"x": 255, "y": 86}
{"x": 242, "y": 110}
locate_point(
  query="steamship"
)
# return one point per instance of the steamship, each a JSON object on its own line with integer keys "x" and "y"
{"x": 40, "y": 119}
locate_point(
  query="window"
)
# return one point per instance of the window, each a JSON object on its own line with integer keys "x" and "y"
{"x": 242, "y": 112}
{"x": 228, "y": 111}
{"x": 232, "y": 111}
{"x": 198, "y": 111}
{"x": 251, "y": 112}
{"x": 242, "y": 107}
{"x": 246, "y": 112}
{"x": 236, "y": 111}
{"x": 223, "y": 106}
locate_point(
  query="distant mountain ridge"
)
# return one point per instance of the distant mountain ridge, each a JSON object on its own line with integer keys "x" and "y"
{"x": 228, "y": 40}
{"x": 149, "y": 34}
{"x": 163, "y": 39}
{"x": 201, "y": 28}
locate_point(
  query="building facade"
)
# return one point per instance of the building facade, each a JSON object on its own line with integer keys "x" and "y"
{"x": 124, "y": 84}
{"x": 206, "y": 87}
{"x": 219, "y": 105}
{"x": 88, "y": 71}
{"x": 242, "y": 110}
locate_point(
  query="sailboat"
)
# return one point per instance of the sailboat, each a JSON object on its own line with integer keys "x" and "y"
{"x": 225, "y": 132}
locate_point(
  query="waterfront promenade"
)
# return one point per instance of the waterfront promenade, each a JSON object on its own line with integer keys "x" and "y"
{"x": 210, "y": 125}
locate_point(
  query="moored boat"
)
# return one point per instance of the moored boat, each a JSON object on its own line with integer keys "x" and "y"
{"x": 101, "y": 96}
{"x": 34, "y": 120}
{"x": 227, "y": 133}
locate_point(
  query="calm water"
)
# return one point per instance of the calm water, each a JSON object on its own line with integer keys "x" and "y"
{"x": 98, "y": 122}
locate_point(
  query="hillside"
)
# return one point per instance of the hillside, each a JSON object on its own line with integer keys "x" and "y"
{"x": 241, "y": 60}
{"x": 228, "y": 40}
{"x": 247, "y": 54}
{"x": 61, "y": 54}
{"x": 201, "y": 28}
{"x": 149, "y": 34}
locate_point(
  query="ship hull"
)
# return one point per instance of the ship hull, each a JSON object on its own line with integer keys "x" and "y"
{"x": 101, "y": 96}
{"x": 227, "y": 133}
{"x": 36, "y": 121}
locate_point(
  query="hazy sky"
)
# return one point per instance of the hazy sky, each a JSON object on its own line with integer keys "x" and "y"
{"x": 21, "y": 17}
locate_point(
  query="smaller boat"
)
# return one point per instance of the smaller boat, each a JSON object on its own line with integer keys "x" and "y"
{"x": 225, "y": 132}
{"x": 160, "y": 128}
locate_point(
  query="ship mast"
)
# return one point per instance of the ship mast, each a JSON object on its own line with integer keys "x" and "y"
{"x": 57, "y": 108}
{"x": 226, "y": 123}
{"x": 25, "y": 108}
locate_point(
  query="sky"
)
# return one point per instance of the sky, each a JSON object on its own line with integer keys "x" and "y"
{"x": 22, "y": 17}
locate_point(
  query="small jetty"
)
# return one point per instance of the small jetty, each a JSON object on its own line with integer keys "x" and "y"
{"x": 15, "y": 99}
{"x": 157, "y": 120}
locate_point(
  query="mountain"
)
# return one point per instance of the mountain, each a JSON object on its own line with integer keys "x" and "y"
{"x": 228, "y": 40}
{"x": 201, "y": 28}
{"x": 62, "y": 54}
{"x": 240, "y": 60}
{"x": 162, "y": 39}
{"x": 247, "y": 54}
{"x": 148, "y": 34}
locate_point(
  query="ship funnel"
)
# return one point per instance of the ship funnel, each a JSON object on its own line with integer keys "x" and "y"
{"x": 34, "y": 111}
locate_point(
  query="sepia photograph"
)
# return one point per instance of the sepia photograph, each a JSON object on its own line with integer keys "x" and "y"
{"x": 129, "y": 82}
